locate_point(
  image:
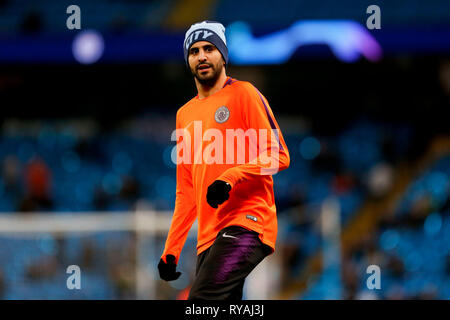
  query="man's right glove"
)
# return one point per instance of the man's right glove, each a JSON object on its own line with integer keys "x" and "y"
{"x": 167, "y": 271}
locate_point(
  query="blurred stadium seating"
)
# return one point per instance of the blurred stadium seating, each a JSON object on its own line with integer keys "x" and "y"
{"x": 103, "y": 15}
{"x": 113, "y": 172}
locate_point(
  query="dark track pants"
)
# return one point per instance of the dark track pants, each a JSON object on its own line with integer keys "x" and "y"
{"x": 222, "y": 268}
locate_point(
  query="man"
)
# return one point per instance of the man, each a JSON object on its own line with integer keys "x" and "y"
{"x": 232, "y": 199}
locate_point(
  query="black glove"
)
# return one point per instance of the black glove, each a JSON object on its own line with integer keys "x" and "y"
{"x": 167, "y": 271}
{"x": 218, "y": 193}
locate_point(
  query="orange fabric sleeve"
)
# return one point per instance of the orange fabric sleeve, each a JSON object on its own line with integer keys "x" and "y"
{"x": 185, "y": 211}
{"x": 258, "y": 115}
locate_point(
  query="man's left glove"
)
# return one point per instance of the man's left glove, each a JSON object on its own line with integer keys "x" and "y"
{"x": 218, "y": 193}
{"x": 167, "y": 271}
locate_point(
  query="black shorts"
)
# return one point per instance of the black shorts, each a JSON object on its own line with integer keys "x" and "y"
{"x": 222, "y": 268}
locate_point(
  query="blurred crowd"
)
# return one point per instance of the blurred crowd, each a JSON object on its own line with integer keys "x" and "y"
{"x": 55, "y": 171}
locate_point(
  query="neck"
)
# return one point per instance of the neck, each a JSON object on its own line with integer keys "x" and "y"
{"x": 205, "y": 91}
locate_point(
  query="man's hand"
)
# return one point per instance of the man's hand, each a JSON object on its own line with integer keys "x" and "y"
{"x": 218, "y": 193}
{"x": 167, "y": 271}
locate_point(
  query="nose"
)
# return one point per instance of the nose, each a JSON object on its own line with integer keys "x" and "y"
{"x": 201, "y": 56}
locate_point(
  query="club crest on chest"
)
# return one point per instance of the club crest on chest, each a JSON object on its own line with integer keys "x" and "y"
{"x": 222, "y": 114}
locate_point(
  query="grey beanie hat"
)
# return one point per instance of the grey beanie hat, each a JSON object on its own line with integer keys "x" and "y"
{"x": 211, "y": 31}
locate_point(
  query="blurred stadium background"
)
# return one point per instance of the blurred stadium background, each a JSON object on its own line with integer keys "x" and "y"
{"x": 86, "y": 117}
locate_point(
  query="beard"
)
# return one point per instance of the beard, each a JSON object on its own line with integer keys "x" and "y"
{"x": 210, "y": 78}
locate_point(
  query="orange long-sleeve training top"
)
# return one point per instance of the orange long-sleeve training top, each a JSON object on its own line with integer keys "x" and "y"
{"x": 214, "y": 135}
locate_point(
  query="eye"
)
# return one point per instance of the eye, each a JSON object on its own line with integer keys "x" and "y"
{"x": 194, "y": 51}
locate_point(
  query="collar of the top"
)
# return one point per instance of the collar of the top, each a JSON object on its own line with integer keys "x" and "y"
{"x": 229, "y": 81}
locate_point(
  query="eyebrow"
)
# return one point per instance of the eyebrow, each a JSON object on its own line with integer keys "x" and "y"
{"x": 206, "y": 46}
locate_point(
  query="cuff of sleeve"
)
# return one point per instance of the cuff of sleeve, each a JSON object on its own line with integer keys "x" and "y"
{"x": 163, "y": 257}
{"x": 227, "y": 179}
